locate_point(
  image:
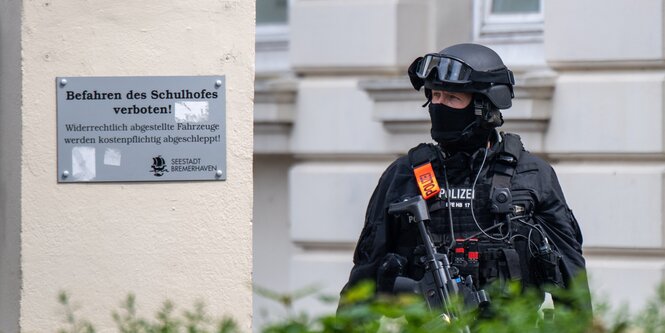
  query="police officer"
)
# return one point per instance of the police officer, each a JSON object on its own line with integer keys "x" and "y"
{"x": 498, "y": 211}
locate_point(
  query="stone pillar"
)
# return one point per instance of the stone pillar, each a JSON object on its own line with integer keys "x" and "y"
{"x": 183, "y": 241}
{"x": 608, "y": 135}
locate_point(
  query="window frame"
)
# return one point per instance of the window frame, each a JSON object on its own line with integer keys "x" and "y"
{"x": 507, "y": 27}
{"x": 272, "y": 34}
{"x": 272, "y": 46}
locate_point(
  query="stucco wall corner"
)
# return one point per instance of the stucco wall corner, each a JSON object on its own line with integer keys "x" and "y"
{"x": 183, "y": 241}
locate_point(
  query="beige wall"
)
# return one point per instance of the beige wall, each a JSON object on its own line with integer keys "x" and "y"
{"x": 184, "y": 241}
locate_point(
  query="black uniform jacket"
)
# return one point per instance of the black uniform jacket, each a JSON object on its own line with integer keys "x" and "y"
{"x": 383, "y": 233}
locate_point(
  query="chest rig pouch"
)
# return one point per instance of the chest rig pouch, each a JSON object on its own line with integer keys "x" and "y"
{"x": 506, "y": 261}
{"x": 538, "y": 261}
{"x": 481, "y": 257}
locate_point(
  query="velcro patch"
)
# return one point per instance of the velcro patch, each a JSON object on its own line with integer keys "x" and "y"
{"x": 426, "y": 179}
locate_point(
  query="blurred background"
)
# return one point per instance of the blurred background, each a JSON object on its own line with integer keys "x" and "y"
{"x": 333, "y": 107}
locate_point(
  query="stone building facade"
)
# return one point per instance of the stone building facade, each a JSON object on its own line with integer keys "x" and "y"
{"x": 333, "y": 107}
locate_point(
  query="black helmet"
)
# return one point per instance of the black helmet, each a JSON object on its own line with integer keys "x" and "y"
{"x": 465, "y": 68}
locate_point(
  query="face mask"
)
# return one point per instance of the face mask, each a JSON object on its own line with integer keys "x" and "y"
{"x": 448, "y": 124}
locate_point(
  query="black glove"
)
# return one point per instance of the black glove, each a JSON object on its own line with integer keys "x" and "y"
{"x": 392, "y": 266}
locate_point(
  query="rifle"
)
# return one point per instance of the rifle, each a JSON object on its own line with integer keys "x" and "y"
{"x": 441, "y": 282}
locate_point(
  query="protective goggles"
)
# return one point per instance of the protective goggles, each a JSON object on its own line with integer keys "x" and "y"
{"x": 455, "y": 71}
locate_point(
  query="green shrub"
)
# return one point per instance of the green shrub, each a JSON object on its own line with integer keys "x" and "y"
{"x": 512, "y": 311}
{"x": 166, "y": 320}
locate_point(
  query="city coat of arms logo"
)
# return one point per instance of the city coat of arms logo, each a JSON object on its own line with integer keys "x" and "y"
{"x": 158, "y": 166}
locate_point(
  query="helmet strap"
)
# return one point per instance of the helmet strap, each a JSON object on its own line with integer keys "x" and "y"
{"x": 480, "y": 105}
{"x": 428, "y": 94}
{"x": 487, "y": 115}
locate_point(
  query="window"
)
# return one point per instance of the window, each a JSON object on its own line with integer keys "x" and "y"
{"x": 512, "y": 20}
{"x": 272, "y": 36}
{"x": 271, "y": 12}
{"x": 272, "y": 19}
{"x": 515, "y": 6}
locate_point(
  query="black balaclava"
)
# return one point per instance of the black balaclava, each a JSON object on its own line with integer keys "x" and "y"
{"x": 457, "y": 129}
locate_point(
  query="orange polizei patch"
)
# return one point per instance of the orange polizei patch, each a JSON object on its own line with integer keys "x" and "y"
{"x": 427, "y": 183}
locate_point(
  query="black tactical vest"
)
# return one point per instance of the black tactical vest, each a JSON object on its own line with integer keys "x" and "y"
{"x": 485, "y": 257}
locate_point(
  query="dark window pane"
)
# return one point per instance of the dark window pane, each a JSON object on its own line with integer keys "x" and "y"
{"x": 515, "y": 6}
{"x": 271, "y": 11}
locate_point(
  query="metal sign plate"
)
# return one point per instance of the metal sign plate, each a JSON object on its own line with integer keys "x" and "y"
{"x": 155, "y": 128}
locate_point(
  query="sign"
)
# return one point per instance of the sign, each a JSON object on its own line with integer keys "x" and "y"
{"x": 141, "y": 128}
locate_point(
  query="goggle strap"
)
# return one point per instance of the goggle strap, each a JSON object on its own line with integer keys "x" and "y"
{"x": 502, "y": 77}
